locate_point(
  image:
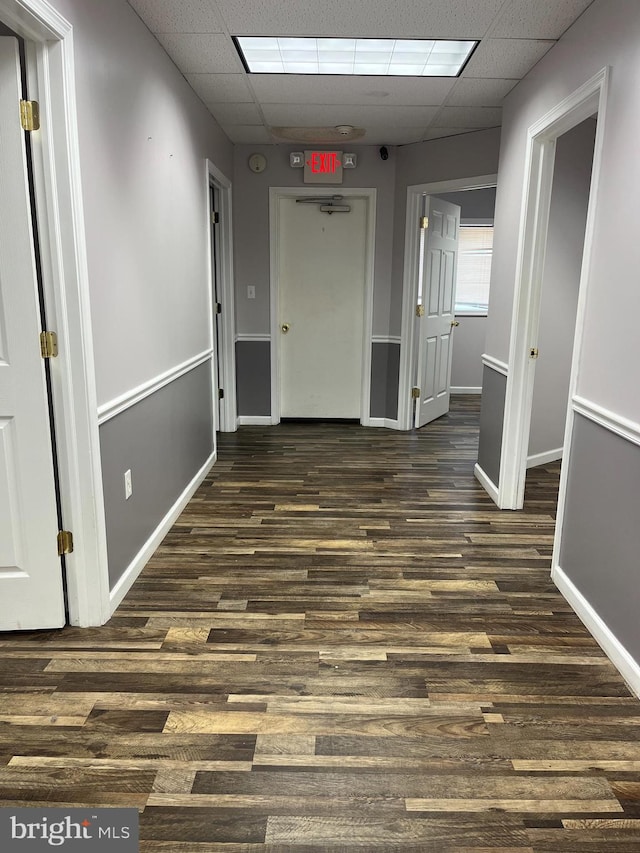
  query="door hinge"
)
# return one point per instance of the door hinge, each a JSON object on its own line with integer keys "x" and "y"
{"x": 65, "y": 542}
{"x": 218, "y": 307}
{"x": 48, "y": 344}
{"x": 215, "y": 217}
{"x": 424, "y": 223}
{"x": 419, "y": 310}
{"x": 220, "y": 393}
{"x": 533, "y": 352}
{"x": 415, "y": 393}
{"x": 30, "y": 115}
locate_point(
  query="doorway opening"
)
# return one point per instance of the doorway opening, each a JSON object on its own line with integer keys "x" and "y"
{"x": 541, "y": 256}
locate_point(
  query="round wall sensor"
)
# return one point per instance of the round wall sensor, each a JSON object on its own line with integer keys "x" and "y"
{"x": 257, "y": 163}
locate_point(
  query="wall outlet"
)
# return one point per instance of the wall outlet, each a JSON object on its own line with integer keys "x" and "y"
{"x": 128, "y": 488}
{"x": 251, "y": 292}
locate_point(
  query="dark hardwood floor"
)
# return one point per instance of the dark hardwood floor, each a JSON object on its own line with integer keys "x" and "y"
{"x": 342, "y": 645}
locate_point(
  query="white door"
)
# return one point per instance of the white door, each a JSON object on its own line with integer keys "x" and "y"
{"x": 436, "y": 301}
{"x": 31, "y": 593}
{"x": 321, "y": 289}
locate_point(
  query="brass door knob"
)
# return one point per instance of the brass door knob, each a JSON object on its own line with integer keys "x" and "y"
{"x": 285, "y": 328}
{"x": 455, "y": 323}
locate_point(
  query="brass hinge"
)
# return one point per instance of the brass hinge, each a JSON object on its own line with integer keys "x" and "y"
{"x": 218, "y": 307}
{"x": 220, "y": 393}
{"x": 48, "y": 344}
{"x": 419, "y": 310}
{"x": 65, "y": 542}
{"x": 415, "y": 393}
{"x": 424, "y": 223}
{"x": 30, "y": 115}
{"x": 215, "y": 217}
{"x": 533, "y": 352}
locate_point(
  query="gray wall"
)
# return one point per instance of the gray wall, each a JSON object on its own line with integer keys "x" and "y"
{"x": 144, "y": 137}
{"x": 560, "y": 286}
{"x": 494, "y": 386}
{"x": 468, "y": 346}
{"x": 474, "y": 204}
{"x": 605, "y": 35}
{"x": 601, "y": 534}
{"x": 163, "y": 449}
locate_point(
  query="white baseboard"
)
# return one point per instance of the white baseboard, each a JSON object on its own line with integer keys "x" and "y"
{"x": 487, "y": 484}
{"x": 464, "y": 389}
{"x": 132, "y": 571}
{"x": 544, "y": 458}
{"x": 626, "y": 665}
{"x": 255, "y": 420}
{"x": 382, "y": 422}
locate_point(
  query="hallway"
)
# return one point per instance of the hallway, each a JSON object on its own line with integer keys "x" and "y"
{"x": 341, "y": 645}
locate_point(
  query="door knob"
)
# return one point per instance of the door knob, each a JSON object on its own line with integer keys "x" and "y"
{"x": 285, "y": 328}
{"x": 455, "y": 323}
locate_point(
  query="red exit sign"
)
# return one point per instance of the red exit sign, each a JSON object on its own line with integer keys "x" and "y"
{"x": 323, "y": 167}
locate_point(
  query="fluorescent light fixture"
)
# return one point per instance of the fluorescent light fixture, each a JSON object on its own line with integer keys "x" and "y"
{"x": 354, "y": 56}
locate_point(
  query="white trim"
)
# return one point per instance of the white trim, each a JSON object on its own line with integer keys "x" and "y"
{"x": 130, "y": 574}
{"x": 611, "y": 421}
{"x": 386, "y": 339}
{"x": 227, "y": 369}
{"x": 255, "y": 420}
{"x": 241, "y": 337}
{"x": 370, "y": 195}
{"x": 146, "y": 389}
{"x": 495, "y": 364}
{"x": 466, "y": 389}
{"x": 386, "y": 423}
{"x": 486, "y": 482}
{"x": 623, "y": 661}
{"x": 544, "y": 458}
{"x": 587, "y": 100}
{"x": 413, "y": 211}
{"x": 66, "y": 284}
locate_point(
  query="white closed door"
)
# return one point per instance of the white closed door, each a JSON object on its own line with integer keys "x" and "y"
{"x": 436, "y": 302}
{"x": 321, "y": 290}
{"x": 31, "y": 590}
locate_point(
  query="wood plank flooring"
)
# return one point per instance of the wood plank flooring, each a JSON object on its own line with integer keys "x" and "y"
{"x": 342, "y": 645}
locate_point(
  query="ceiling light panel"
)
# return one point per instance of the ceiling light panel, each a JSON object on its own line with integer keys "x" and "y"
{"x": 351, "y": 56}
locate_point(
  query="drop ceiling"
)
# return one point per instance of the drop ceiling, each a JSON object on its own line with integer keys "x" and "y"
{"x": 514, "y": 35}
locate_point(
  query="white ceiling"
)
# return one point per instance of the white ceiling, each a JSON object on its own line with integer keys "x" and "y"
{"x": 514, "y": 35}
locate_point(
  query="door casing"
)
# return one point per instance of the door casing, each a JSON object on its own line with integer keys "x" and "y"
{"x": 275, "y": 194}
{"x": 59, "y": 206}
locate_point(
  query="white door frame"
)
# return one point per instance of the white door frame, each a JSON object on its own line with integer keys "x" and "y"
{"x": 275, "y": 194}
{"x": 56, "y": 160}
{"x": 415, "y": 193}
{"x": 226, "y": 371}
{"x": 584, "y": 102}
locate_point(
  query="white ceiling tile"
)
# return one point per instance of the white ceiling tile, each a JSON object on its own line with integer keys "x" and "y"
{"x": 391, "y": 136}
{"x": 353, "y": 90}
{"x": 279, "y": 115}
{"x": 236, "y": 114}
{"x": 187, "y": 16}
{"x": 221, "y": 88}
{"x": 367, "y": 18}
{"x": 506, "y": 57}
{"x": 483, "y": 92}
{"x": 440, "y": 132}
{"x": 468, "y": 117}
{"x": 195, "y": 53}
{"x": 249, "y": 134}
{"x": 542, "y": 19}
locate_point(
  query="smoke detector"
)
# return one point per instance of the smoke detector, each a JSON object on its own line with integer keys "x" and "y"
{"x": 315, "y": 135}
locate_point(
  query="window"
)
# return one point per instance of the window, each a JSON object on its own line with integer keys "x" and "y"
{"x": 475, "y": 249}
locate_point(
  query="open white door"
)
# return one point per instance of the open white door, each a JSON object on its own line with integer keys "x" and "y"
{"x": 31, "y": 589}
{"x": 436, "y": 303}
